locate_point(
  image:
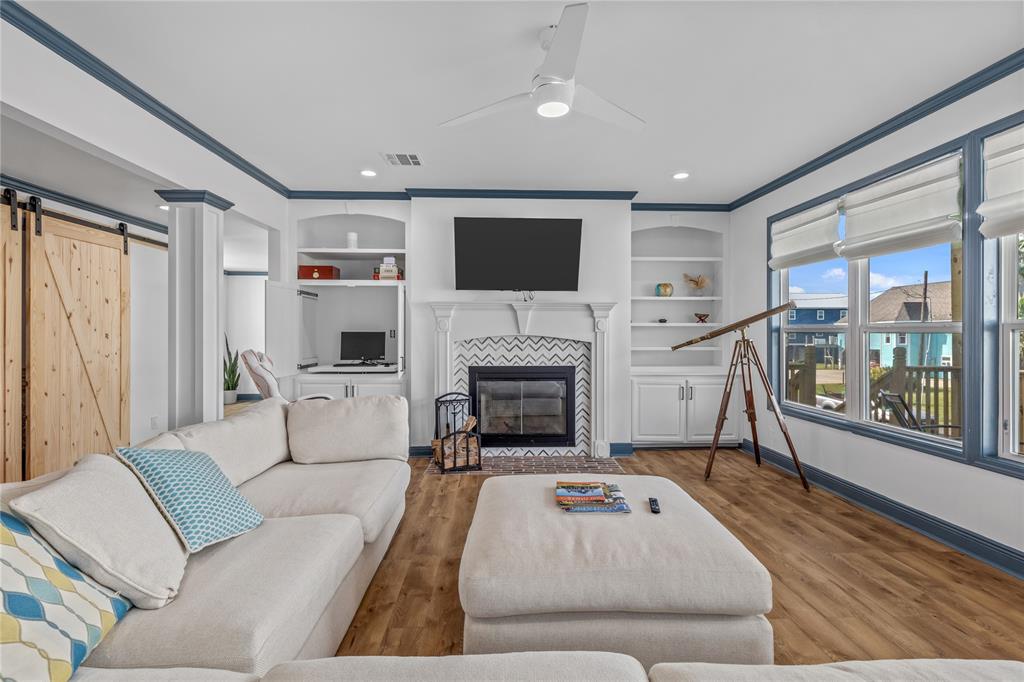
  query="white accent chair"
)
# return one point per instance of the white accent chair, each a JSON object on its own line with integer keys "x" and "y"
{"x": 261, "y": 369}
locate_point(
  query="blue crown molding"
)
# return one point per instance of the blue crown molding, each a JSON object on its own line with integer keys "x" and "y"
{"x": 708, "y": 208}
{"x": 51, "y": 38}
{"x": 990, "y": 74}
{"x": 68, "y": 200}
{"x": 341, "y": 195}
{"x": 423, "y": 192}
{"x": 973, "y": 544}
{"x": 194, "y": 196}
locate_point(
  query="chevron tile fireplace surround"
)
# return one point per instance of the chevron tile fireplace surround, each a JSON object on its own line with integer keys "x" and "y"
{"x": 480, "y": 335}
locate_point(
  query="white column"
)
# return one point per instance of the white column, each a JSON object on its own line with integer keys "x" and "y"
{"x": 442, "y": 348}
{"x": 196, "y": 300}
{"x": 599, "y": 378}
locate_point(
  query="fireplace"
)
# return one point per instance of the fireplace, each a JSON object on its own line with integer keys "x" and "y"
{"x": 524, "y": 406}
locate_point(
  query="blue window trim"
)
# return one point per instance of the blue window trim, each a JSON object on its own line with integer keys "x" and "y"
{"x": 980, "y": 429}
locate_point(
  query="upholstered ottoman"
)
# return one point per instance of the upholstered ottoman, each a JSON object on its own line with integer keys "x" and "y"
{"x": 675, "y": 586}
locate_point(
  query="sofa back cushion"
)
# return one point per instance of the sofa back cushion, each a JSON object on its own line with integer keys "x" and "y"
{"x": 244, "y": 445}
{"x": 349, "y": 429}
{"x": 101, "y": 519}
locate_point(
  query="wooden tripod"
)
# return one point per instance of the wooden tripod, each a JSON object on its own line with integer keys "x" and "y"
{"x": 744, "y": 360}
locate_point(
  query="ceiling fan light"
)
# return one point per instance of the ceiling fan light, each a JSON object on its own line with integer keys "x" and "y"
{"x": 552, "y": 109}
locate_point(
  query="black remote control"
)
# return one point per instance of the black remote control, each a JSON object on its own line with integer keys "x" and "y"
{"x": 655, "y": 507}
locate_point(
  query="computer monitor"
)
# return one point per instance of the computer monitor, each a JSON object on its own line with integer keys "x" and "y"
{"x": 362, "y": 346}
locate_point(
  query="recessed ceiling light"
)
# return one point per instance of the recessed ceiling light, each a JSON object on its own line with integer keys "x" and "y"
{"x": 681, "y": 175}
{"x": 553, "y": 109}
{"x": 367, "y": 173}
{"x": 164, "y": 208}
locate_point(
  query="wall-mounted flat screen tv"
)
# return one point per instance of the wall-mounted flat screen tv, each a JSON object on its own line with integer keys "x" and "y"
{"x": 518, "y": 254}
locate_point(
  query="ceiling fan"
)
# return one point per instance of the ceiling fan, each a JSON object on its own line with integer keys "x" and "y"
{"x": 554, "y": 91}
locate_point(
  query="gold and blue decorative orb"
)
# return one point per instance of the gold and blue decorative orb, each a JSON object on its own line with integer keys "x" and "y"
{"x": 663, "y": 289}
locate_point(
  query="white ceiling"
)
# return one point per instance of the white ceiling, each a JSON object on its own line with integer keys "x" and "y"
{"x": 736, "y": 93}
{"x": 33, "y": 156}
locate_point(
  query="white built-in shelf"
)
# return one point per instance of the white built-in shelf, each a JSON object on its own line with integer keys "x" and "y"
{"x": 350, "y": 282}
{"x": 350, "y": 254}
{"x": 677, "y": 298}
{"x": 676, "y": 259}
{"x": 709, "y": 325}
{"x": 662, "y": 349}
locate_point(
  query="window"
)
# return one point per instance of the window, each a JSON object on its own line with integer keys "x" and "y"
{"x": 1003, "y": 219}
{"x": 816, "y": 351}
{"x": 1012, "y": 340}
{"x": 792, "y": 315}
{"x": 895, "y": 296}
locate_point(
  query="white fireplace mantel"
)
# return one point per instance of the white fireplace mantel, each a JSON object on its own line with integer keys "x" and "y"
{"x": 582, "y": 320}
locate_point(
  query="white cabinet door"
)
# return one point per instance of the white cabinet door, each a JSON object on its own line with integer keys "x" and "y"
{"x": 337, "y": 389}
{"x": 658, "y": 410}
{"x": 283, "y": 315}
{"x": 703, "y": 400}
{"x": 377, "y": 389}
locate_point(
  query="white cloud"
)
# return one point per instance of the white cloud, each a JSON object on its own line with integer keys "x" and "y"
{"x": 797, "y": 290}
{"x": 880, "y": 282}
{"x": 834, "y": 273}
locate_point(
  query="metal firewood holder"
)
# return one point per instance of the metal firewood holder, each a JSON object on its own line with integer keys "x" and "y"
{"x": 456, "y": 443}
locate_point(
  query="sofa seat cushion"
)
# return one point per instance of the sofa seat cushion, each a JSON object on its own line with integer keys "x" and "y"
{"x": 245, "y": 444}
{"x": 524, "y": 555}
{"x": 245, "y": 604}
{"x": 371, "y": 491}
{"x": 909, "y": 670}
{"x": 565, "y": 666}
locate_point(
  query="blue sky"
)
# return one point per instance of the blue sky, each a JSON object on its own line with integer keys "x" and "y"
{"x": 896, "y": 269}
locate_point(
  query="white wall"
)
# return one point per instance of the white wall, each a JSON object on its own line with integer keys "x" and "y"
{"x": 149, "y": 340}
{"x": 604, "y": 276}
{"x": 245, "y": 319}
{"x": 980, "y": 500}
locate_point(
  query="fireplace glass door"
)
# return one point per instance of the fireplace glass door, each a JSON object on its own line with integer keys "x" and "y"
{"x": 524, "y": 406}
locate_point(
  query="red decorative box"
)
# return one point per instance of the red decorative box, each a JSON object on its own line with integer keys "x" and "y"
{"x": 319, "y": 272}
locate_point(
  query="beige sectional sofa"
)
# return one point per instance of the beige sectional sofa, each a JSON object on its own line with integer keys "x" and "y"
{"x": 572, "y": 666}
{"x": 289, "y": 588}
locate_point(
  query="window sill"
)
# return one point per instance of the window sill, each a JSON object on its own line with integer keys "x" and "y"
{"x": 931, "y": 446}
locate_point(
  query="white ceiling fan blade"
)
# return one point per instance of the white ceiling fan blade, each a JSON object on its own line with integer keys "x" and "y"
{"x": 588, "y": 102}
{"x": 501, "y": 105}
{"x": 560, "y": 61}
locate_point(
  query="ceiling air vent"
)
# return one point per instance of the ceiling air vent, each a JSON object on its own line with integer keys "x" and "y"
{"x": 402, "y": 159}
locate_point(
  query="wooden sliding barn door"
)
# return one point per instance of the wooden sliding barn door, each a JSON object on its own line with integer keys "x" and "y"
{"x": 77, "y": 342}
{"x": 11, "y": 331}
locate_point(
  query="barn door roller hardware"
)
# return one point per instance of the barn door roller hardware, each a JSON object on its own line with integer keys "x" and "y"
{"x": 123, "y": 229}
{"x": 12, "y": 197}
{"x": 35, "y": 204}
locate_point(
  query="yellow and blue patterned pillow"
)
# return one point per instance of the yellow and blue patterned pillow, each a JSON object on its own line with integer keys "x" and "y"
{"x": 52, "y": 615}
{"x": 194, "y": 494}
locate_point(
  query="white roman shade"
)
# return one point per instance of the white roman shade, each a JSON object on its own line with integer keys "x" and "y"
{"x": 807, "y": 237}
{"x": 1003, "y": 208}
{"x": 914, "y": 209}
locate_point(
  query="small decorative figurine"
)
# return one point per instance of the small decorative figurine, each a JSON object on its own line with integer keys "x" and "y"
{"x": 697, "y": 282}
{"x": 662, "y": 320}
{"x": 702, "y": 317}
{"x": 663, "y": 289}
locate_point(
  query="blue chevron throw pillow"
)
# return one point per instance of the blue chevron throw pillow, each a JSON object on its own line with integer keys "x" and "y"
{"x": 194, "y": 494}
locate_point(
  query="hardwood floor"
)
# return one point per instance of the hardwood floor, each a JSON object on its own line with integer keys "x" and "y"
{"x": 848, "y": 584}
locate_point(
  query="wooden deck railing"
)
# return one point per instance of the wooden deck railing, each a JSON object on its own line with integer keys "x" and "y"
{"x": 932, "y": 393}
